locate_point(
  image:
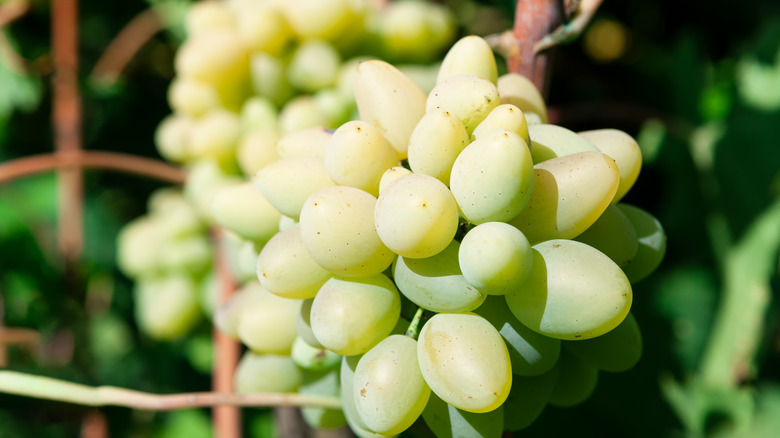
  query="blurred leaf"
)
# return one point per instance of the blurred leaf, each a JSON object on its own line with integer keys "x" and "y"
{"x": 20, "y": 91}
{"x": 200, "y": 353}
{"x": 759, "y": 83}
{"x": 173, "y": 13}
{"x": 188, "y": 423}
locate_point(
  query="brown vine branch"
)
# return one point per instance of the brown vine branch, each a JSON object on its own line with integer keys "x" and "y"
{"x": 534, "y": 19}
{"x": 12, "y": 10}
{"x": 91, "y": 159}
{"x": 125, "y": 45}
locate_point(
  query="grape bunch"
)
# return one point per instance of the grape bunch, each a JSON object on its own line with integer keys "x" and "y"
{"x": 448, "y": 256}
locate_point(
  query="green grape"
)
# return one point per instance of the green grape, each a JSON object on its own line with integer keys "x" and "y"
{"x": 518, "y": 90}
{"x": 390, "y": 101}
{"x": 166, "y": 307}
{"x": 528, "y": 398}
{"x": 258, "y": 114}
{"x": 416, "y": 216}
{"x": 313, "y": 358}
{"x": 338, "y": 231}
{"x": 228, "y": 314}
{"x": 303, "y": 324}
{"x": 614, "y": 235}
{"x": 285, "y": 268}
{"x": 505, "y": 116}
{"x": 470, "y": 55}
{"x": 321, "y": 384}
{"x": 192, "y": 98}
{"x": 351, "y": 315}
{"x": 325, "y": 19}
{"x": 495, "y": 257}
{"x": 287, "y": 182}
{"x": 553, "y": 141}
{"x": 204, "y": 17}
{"x": 468, "y": 96}
{"x": 204, "y": 179}
{"x": 262, "y": 27}
{"x": 336, "y": 108}
{"x": 423, "y": 75}
{"x": 615, "y": 351}
{"x": 300, "y": 113}
{"x": 465, "y": 362}
{"x": 447, "y": 421}
{"x": 652, "y": 243}
{"x": 191, "y": 254}
{"x": 256, "y": 149}
{"x": 266, "y": 322}
{"x": 243, "y": 210}
{"x": 215, "y": 136}
{"x": 415, "y": 31}
{"x": 391, "y": 175}
{"x": 172, "y": 138}
{"x": 134, "y": 254}
{"x": 266, "y": 373}
{"x": 269, "y": 78}
{"x": 347, "y": 377}
{"x": 531, "y": 353}
{"x": 574, "y": 292}
{"x": 241, "y": 257}
{"x": 389, "y": 390}
{"x": 492, "y": 179}
{"x": 624, "y": 150}
{"x": 358, "y": 155}
{"x": 436, "y": 142}
{"x": 314, "y": 65}
{"x": 569, "y": 194}
{"x": 310, "y": 142}
{"x": 436, "y": 283}
{"x": 576, "y": 381}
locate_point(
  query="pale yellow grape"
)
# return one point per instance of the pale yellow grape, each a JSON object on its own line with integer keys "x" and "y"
{"x": 345, "y": 83}
{"x": 135, "y": 256}
{"x": 337, "y": 229}
{"x": 390, "y": 101}
{"x": 286, "y": 222}
{"x": 303, "y": 324}
{"x": 204, "y": 178}
{"x": 574, "y": 292}
{"x": 321, "y": 384}
{"x": 310, "y": 142}
{"x": 173, "y": 137}
{"x": 552, "y": 141}
{"x": 465, "y": 362}
{"x": 423, "y": 75}
{"x": 302, "y": 112}
{"x": 569, "y": 194}
{"x": 166, "y": 307}
{"x": 652, "y": 243}
{"x": 416, "y": 216}
{"x": 190, "y": 97}
{"x": 624, "y": 150}
{"x": 495, "y": 257}
{"x": 191, "y": 254}
{"x": 176, "y": 215}
{"x": 258, "y": 114}
{"x": 447, "y": 421}
{"x": 313, "y": 358}
{"x": 358, "y": 155}
{"x": 287, "y": 182}
{"x": 615, "y": 351}
{"x": 326, "y": 19}
{"x": 389, "y": 390}
{"x": 349, "y": 316}
{"x": 256, "y": 150}
{"x": 314, "y": 65}
{"x": 436, "y": 283}
{"x": 470, "y": 55}
{"x": 269, "y": 78}
{"x": 266, "y": 373}
{"x": 266, "y": 322}
{"x": 528, "y": 398}
{"x": 415, "y": 31}
{"x": 215, "y": 136}
{"x": 516, "y": 89}
{"x": 614, "y": 235}
{"x": 505, "y": 116}
{"x": 347, "y": 377}
{"x": 492, "y": 179}
{"x": 262, "y": 27}
{"x": 243, "y": 210}
{"x": 530, "y": 352}
{"x": 228, "y": 314}
{"x": 337, "y": 108}
{"x": 576, "y": 381}
{"x": 435, "y": 144}
{"x": 285, "y": 267}
{"x": 241, "y": 257}
{"x": 204, "y": 17}
{"x": 468, "y": 96}
{"x": 391, "y": 175}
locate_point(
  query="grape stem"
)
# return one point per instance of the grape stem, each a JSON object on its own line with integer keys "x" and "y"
{"x": 413, "y": 330}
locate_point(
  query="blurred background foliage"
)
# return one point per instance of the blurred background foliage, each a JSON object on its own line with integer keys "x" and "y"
{"x": 698, "y": 83}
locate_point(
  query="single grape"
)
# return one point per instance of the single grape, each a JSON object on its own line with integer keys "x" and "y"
{"x": 505, "y": 116}
{"x": 624, "y": 150}
{"x": 447, "y": 421}
{"x": 495, "y": 257}
{"x": 615, "y": 351}
{"x": 313, "y": 358}
{"x": 614, "y": 235}
{"x": 528, "y": 398}
{"x": 470, "y": 55}
{"x": 166, "y": 307}
{"x": 652, "y": 243}
{"x": 576, "y": 381}
{"x": 553, "y": 141}
{"x": 436, "y": 142}
{"x": 518, "y": 90}
{"x": 266, "y": 373}
{"x": 468, "y": 96}
{"x": 310, "y": 142}
{"x": 347, "y": 377}
{"x": 287, "y": 182}
{"x": 266, "y": 322}
{"x": 243, "y": 210}
{"x": 321, "y": 384}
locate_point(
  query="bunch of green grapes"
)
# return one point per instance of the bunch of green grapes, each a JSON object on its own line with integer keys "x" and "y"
{"x": 255, "y": 80}
{"x": 502, "y": 238}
